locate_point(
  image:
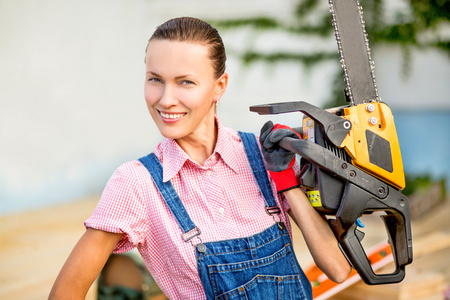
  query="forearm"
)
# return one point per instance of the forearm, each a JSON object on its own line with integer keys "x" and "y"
{"x": 318, "y": 236}
{"x": 84, "y": 264}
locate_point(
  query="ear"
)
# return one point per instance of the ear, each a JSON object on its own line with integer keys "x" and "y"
{"x": 221, "y": 86}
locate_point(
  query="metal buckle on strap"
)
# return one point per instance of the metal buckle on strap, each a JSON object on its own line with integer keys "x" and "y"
{"x": 191, "y": 234}
{"x": 273, "y": 210}
{"x": 188, "y": 236}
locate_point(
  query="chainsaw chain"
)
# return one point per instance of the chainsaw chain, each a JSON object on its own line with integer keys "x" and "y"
{"x": 348, "y": 89}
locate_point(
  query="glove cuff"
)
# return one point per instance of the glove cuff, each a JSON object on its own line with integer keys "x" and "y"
{"x": 284, "y": 180}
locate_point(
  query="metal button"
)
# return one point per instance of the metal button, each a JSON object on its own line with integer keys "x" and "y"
{"x": 373, "y": 121}
{"x": 370, "y": 107}
{"x": 201, "y": 248}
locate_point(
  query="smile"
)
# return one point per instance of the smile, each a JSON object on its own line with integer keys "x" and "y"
{"x": 171, "y": 116}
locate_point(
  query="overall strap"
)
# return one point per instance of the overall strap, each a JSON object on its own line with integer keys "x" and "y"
{"x": 259, "y": 170}
{"x": 170, "y": 196}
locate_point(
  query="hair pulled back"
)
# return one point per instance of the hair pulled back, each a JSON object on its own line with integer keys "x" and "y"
{"x": 193, "y": 30}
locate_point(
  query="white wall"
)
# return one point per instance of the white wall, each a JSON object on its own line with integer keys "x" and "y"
{"x": 71, "y": 82}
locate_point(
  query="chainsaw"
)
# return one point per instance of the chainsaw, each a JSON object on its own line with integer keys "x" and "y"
{"x": 350, "y": 156}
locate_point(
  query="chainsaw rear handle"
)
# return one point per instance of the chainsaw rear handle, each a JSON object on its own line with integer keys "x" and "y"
{"x": 353, "y": 250}
{"x": 399, "y": 236}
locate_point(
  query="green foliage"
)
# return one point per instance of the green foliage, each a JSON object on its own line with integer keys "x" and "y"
{"x": 416, "y": 183}
{"x": 407, "y": 29}
{"x": 429, "y": 13}
{"x": 307, "y": 59}
{"x": 303, "y": 7}
{"x": 259, "y": 23}
{"x": 322, "y": 29}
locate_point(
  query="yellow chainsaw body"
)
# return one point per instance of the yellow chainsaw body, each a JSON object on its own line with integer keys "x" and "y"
{"x": 372, "y": 142}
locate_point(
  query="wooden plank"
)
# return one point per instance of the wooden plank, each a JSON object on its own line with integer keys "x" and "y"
{"x": 323, "y": 288}
{"x": 431, "y": 263}
{"x": 416, "y": 286}
{"x": 422, "y": 285}
{"x": 430, "y": 243}
{"x": 36, "y": 244}
{"x": 427, "y": 263}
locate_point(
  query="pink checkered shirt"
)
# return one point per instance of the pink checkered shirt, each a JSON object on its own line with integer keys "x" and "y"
{"x": 221, "y": 197}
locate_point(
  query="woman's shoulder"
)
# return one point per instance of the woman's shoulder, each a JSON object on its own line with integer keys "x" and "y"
{"x": 233, "y": 134}
{"x": 134, "y": 170}
{"x": 128, "y": 174}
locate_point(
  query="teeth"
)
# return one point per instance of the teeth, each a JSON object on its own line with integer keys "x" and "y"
{"x": 171, "y": 116}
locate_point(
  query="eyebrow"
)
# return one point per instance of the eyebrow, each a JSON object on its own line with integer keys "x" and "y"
{"x": 177, "y": 77}
{"x": 153, "y": 73}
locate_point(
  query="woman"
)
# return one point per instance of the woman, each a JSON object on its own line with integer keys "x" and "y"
{"x": 203, "y": 224}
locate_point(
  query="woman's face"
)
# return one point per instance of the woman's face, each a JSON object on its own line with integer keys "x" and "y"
{"x": 180, "y": 88}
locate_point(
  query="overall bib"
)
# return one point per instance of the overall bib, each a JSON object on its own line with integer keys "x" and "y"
{"x": 261, "y": 266}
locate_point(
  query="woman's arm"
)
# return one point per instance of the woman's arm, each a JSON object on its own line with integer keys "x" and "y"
{"x": 84, "y": 264}
{"x": 318, "y": 236}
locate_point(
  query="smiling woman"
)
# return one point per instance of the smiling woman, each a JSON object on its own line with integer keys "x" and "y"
{"x": 181, "y": 93}
{"x": 201, "y": 209}
{"x": 185, "y": 77}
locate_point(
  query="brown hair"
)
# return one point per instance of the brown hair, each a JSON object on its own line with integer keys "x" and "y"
{"x": 192, "y": 30}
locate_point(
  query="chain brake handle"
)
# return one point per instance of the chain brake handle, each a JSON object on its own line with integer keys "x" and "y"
{"x": 335, "y": 127}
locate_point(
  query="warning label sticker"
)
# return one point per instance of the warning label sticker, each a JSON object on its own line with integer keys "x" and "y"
{"x": 314, "y": 198}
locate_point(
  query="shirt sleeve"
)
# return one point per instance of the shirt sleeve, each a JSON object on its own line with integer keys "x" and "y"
{"x": 120, "y": 209}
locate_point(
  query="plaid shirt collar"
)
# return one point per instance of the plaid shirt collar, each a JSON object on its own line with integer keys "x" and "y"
{"x": 174, "y": 156}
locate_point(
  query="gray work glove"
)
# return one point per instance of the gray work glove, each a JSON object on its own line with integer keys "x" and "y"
{"x": 279, "y": 161}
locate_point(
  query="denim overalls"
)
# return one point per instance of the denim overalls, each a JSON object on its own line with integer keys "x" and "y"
{"x": 261, "y": 266}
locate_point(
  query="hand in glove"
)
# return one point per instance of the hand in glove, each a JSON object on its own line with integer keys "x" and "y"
{"x": 279, "y": 161}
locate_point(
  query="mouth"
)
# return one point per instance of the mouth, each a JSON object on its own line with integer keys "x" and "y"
{"x": 171, "y": 117}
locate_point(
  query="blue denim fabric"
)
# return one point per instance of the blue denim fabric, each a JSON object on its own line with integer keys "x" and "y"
{"x": 256, "y": 161}
{"x": 261, "y": 266}
{"x": 168, "y": 192}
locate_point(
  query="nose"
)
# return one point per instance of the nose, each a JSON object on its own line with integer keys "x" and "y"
{"x": 168, "y": 97}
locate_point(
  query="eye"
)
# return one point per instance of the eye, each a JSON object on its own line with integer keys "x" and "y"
{"x": 186, "y": 82}
{"x": 154, "y": 79}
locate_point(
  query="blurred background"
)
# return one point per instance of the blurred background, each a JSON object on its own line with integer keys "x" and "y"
{"x": 72, "y": 72}
{"x": 72, "y": 75}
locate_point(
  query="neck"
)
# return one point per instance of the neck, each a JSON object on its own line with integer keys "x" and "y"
{"x": 200, "y": 145}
